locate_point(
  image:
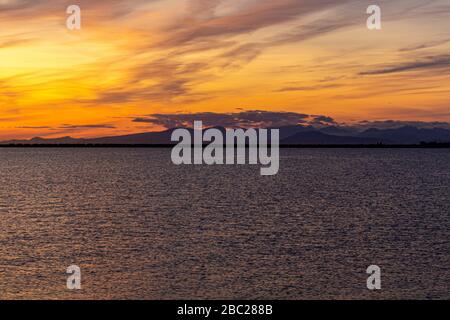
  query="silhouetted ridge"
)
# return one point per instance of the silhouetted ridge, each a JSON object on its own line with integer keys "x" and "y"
{"x": 289, "y": 135}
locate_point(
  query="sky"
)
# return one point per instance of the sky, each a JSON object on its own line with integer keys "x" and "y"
{"x": 135, "y": 63}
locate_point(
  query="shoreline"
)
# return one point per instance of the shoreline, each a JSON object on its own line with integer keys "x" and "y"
{"x": 282, "y": 146}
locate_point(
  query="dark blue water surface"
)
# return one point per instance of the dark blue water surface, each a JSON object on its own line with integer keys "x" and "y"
{"x": 140, "y": 227}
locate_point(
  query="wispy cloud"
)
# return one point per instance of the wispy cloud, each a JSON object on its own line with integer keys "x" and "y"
{"x": 248, "y": 119}
{"x": 426, "y": 45}
{"x": 87, "y": 126}
{"x": 433, "y": 63}
{"x": 307, "y": 88}
{"x": 135, "y": 57}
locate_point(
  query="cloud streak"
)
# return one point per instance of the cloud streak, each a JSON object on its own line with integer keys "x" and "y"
{"x": 246, "y": 119}
{"x": 429, "y": 63}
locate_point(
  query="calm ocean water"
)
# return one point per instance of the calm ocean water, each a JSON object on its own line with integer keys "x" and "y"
{"x": 142, "y": 228}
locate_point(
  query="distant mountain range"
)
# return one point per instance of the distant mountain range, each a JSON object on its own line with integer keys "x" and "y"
{"x": 289, "y": 135}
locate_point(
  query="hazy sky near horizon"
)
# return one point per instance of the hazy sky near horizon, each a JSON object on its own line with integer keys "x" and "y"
{"x": 135, "y": 58}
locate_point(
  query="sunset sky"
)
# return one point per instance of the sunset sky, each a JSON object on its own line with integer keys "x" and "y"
{"x": 136, "y": 58}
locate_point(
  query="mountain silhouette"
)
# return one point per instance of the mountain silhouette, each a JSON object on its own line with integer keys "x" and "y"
{"x": 409, "y": 135}
{"x": 317, "y": 138}
{"x": 290, "y": 135}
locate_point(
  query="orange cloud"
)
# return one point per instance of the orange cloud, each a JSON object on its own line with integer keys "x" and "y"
{"x": 138, "y": 57}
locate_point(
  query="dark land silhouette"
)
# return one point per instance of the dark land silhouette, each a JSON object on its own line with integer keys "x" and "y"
{"x": 290, "y": 136}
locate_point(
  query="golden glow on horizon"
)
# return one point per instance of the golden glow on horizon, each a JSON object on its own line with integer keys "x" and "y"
{"x": 134, "y": 58}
